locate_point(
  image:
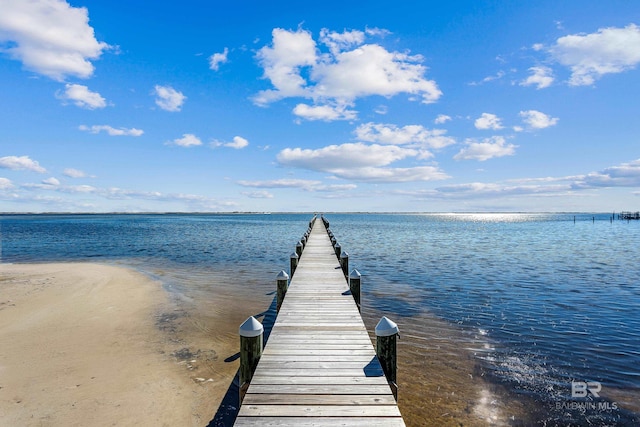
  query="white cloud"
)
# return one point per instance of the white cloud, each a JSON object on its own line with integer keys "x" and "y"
{"x": 218, "y": 58}
{"x": 351, "y": 155}
{"x": 441, "y": 119}
{"x": 487, "y": 149}
{"x": 324, "y": 112}
{"x": 111, "y": 130}
{"x": 537, "y": 120}
{"x": 360, "y": 162}
{"x": 51, "y": 181}
{"x": 5, "y": 184}
{"x": 541, "y": 77}
{"x": 168, "y": 98}
{"x": 296, "y": 67}
{"x": 21, "y": 163}
{"x": 82, "y": 97}
{"x": 590, "y": 56}
{"x": 413, "y": 135}
{"x": 338, "y": 42}
{"x": 500, "y": 74}
{"x": 74, "y": 173}
{"x": 281, "y": 183}
{"x": 624, "y": 175}
{"x": 50, "y": 37}
{"x": 282, "y": 62}
{"x": 237, "y": 143}
{"x": 258, "y": 194}
{"x": 488, "y": 121}
{"x": 303, "y": 184}
{"x": 187, "y": 140}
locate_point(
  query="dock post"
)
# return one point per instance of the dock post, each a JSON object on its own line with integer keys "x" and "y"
{"x": 293, "y": 264}
{"x": 344, "y": 262}
{"x": 282, "y": 283}
{"x": 299, "y": 247}
{"x": 354, "y": 286}
{"x": 338, "y": 249}
{"x": 386, "y": 349}
{"x": 251, "y": 332}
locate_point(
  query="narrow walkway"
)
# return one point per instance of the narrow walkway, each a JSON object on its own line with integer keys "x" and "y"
{"x": 319, "y": 367}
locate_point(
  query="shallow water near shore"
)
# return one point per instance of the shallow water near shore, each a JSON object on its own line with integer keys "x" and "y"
{"x": 499, "y": 313}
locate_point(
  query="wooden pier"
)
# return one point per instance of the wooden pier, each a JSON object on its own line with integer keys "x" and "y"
{"x": 319, "y": 367}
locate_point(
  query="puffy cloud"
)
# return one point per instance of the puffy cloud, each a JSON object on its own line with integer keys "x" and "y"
{"x": 441, "y": 119}
{"x": 338, "y": 42}
{"x": 390, "y": 175}
{"x": 324, "y": 112}
{"x": 537, "y": 120}
{"x": 351, "y": 155}
{"x": 624, "y": 175}
{"x": 412, "y": 135}
{"x": 168, "y": 98}
{"x": 541, "y": 77}
{"x": 590, "y": 56}
{"x": 50, "y": 37}
{"x": 82, "y": 97}
{"x": 282, "y": 63}
{"x": 218, "y": 58}
{"x": 21, "y": 163}
{"x": 487, "y": 149}
{"x": 296, "y": 67}
{"x": 238, "y": 143}
{"x": 51, "y": 181}
{"x": 360, "y": 162}
{"x": 111, "y": 130}
{"x": 74, "y": 173}
{"x": 187, "y": 140}
{"x": 488, "y": 121}
{"x": 5, "y": 184}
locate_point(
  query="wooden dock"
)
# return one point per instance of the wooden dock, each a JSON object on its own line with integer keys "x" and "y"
{"x": 319, "y": 367}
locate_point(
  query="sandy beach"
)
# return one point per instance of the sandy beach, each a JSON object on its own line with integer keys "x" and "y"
{"x": 88, "y": 344}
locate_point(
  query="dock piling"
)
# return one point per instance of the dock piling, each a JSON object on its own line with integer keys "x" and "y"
{"x": 386, "y": 349}
{"x": 344, "y": 262}
{"x": 251, "y": 332}
{"x": 282, "y": 283}
{"x": 354, "y": 286}
{"x": 293, "y": 263}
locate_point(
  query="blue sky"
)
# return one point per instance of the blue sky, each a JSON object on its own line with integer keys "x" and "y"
{"x": 331, "y": 106}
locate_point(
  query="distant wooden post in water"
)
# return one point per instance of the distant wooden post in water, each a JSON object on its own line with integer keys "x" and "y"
{"x": 251, "y": 333}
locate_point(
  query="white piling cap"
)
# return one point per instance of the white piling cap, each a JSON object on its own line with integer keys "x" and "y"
{"x": 386, "y": 328}
{"x": 355, "y": 274}
{"x": 299, "y": 245}
{"x": 344, "y": 254}
{"x": 294, "y": 255}
{"x": 251, "y": 328}
{"x": 282, "y": 275}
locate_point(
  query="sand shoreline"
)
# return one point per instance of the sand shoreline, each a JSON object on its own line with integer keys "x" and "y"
{"x": 92, "y": 344}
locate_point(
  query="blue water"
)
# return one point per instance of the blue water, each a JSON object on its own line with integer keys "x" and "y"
{"x": 556, "y": 300}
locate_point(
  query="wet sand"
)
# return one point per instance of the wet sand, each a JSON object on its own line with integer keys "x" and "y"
{"x": 88, "y": 344}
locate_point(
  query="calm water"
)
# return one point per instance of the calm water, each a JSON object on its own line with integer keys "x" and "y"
{"x": 549, "y": 301}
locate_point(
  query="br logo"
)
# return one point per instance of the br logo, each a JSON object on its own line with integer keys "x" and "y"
{"x": 582, "y": 388}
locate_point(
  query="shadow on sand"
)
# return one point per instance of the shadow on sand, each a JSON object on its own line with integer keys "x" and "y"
{"x": 230, "y": 406}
